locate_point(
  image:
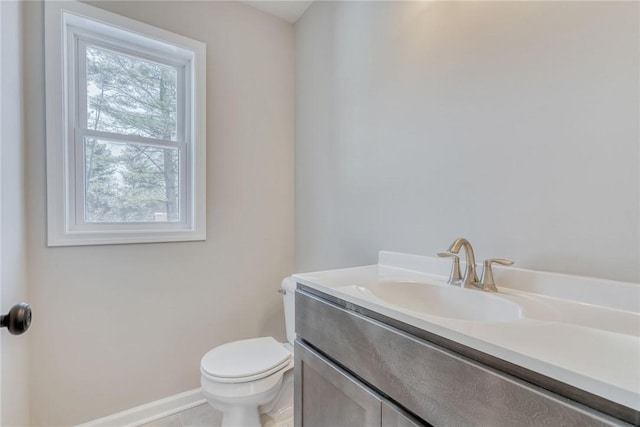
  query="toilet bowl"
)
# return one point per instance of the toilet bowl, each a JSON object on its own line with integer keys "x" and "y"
{"x": 249, "y": 378}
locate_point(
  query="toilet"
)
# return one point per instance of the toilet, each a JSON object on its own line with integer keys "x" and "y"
{"x": 251, "y": 381}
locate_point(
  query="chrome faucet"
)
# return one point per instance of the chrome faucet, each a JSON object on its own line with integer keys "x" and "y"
{"x": 455, "y": 278}
{"x": 488, "y": 283}
{"x": 470, "y": 275}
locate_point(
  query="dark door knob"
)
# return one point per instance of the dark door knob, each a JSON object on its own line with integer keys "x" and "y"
{"x": 17, "y": 320}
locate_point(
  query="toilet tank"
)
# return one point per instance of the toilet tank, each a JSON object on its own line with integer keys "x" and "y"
{"x": 288, "y": 296}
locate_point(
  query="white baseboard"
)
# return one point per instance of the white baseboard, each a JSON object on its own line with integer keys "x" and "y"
{"x": 151, "y": 411}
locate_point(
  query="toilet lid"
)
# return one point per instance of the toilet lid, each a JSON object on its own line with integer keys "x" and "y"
{"x": 246, "y": 358}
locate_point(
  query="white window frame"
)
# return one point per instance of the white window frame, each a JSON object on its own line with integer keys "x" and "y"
{"x": 69, "y": 28}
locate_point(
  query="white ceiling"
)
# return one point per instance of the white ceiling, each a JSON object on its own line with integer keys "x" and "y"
{"x": 289, "y": 10}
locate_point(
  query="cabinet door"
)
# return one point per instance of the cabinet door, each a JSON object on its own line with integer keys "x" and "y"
{"x": 326, "y": 396}
{"x": 392, "y": 416}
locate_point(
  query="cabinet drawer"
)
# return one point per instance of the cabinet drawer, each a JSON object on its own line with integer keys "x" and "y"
{"x": 439, "y": 386}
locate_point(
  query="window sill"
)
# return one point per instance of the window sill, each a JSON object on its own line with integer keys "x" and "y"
{"x": 120, "y": 238}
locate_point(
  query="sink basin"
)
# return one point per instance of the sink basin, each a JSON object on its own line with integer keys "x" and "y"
{"x": 446, "y": 301}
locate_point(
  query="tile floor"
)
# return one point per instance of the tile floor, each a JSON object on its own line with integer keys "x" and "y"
{"x": 200, "y": 416}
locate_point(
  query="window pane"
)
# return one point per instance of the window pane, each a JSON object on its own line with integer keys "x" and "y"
{"x": 130, "y": 95}
{"x": 130, "y": 182}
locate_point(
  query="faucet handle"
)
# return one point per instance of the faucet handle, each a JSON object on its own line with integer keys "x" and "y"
{"x": 487, "y": 282}
{"x": 455, "y": 277}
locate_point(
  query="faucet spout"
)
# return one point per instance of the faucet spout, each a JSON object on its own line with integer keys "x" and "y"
{"x": 470, "y": 275}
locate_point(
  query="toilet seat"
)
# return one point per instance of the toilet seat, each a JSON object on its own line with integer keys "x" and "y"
{"x": 245, "y": 361}
{"x": 230, "y": 392}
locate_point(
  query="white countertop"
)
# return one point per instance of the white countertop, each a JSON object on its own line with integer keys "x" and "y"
{"x": 581, "y": 331}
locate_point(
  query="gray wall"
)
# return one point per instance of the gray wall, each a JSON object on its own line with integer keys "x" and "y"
{"x": 120, "y": 326}
{"x": 13, "y": 229}
{"x": 514, "y": 124}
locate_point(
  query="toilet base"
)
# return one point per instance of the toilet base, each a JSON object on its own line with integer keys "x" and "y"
{"x": 245, "y": 417}
{"x": 280, "y": 412}
{"x": 277, "y": 411}
{"x": 241, "y": 413}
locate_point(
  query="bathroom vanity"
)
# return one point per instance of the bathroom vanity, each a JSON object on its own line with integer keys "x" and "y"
{"x": 394, "y": 345}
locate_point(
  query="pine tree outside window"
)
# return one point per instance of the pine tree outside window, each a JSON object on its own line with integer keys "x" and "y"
{"x": 125, "y": 130}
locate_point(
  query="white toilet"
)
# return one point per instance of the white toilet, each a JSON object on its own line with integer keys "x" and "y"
{"x": 247, "y": 378}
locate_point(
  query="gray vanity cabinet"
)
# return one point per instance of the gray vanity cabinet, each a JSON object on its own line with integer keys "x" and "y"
{"x": 353, "y": 369}
{"x": 392, "y": 416}
{"x": 328, "y": 396}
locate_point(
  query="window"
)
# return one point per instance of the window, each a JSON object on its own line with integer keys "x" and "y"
{"x": 125, "y": 130}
